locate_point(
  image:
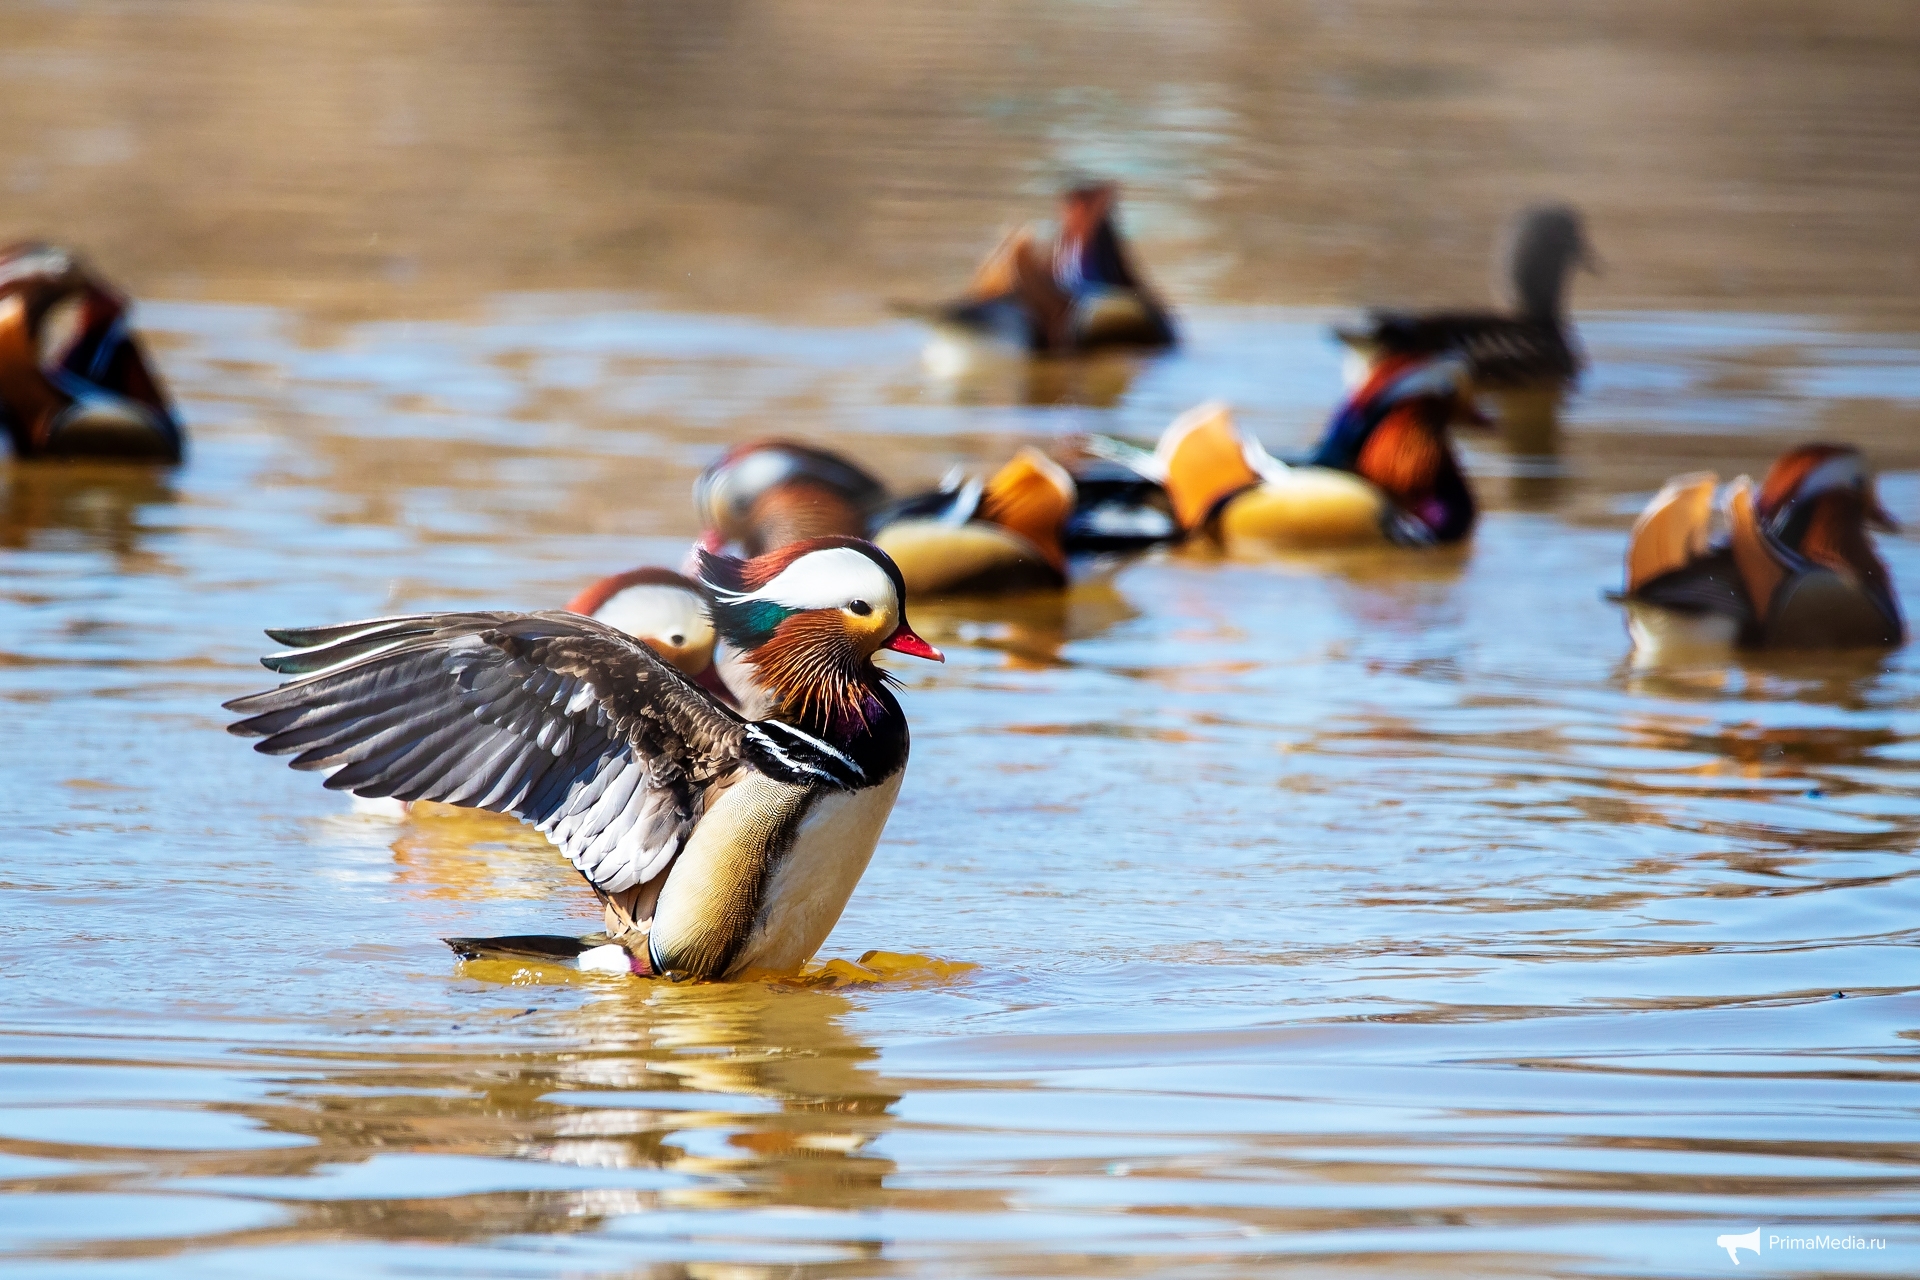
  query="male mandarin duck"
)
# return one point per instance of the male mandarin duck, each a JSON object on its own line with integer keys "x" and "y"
{"x": 1524, "y": 358}
{"x": 719, "y": 846}
{"x": 1004, "y": 534}
{"x": 1079, "y": 294}
{"x": 1383, "y": 472}
{"x": 1794, "y": 567}
{"x": 73, "y": 380}
{"x": 767, "y": 493}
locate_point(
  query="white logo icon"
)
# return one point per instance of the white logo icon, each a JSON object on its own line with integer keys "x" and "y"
{"x": 1732, "y": 1244}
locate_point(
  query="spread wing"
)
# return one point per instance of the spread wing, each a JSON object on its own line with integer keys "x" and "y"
{"x": 559, "y": 720}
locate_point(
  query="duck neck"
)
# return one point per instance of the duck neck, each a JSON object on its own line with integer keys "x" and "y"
{"x": 1540, "y": 280}
{"x": 1410, "y": 458}
{"x": 807, "y": 673}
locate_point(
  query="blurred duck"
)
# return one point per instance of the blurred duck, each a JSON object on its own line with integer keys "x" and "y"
{"x": 1523, "y": 358}
{"x": 971, "y": 537}
{"x": 1383, "y": 472}
{"x": 1079, "y": 294}
{"x": 1792, "y": 567}
{"x": 768, "y": 493}
{"x": 666, "y": 611}
{"x": 1007, "y": 533}
{"x": 719, "y": 846}
{"x": 73, "y": 380}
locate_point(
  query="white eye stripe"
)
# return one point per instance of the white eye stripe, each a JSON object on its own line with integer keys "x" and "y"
{"x": 830, "y": 579}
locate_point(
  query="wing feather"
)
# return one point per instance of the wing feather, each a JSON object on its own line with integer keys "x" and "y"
{"x": 557, "y": 719}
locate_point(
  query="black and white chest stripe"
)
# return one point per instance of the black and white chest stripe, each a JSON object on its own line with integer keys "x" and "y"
{"x": 792, "y": 755}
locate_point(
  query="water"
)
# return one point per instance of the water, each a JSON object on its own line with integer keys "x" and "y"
{"x": 1356, "y": 914}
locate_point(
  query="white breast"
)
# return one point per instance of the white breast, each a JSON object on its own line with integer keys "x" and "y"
{"x": 810, "y": 887}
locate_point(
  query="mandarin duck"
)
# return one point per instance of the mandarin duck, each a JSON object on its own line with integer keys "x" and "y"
{"x": 668, "y": 612}
{"x": 1006, "y": 533}
{"x": 971, "y": 536}
{"x": 73, "y": 380}
{"x": 1079, "y": 294}
{"x": 718, "y": 846}
{"x": 1384, "y": 471}
{"x": 767, "y": 493}
{"x": 1524, "y": 358}
{"x": 1793, "y": 566}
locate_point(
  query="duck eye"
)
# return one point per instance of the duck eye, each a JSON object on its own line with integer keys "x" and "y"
{"x": 860, "y": 608}
{"x": 676, "y": 639}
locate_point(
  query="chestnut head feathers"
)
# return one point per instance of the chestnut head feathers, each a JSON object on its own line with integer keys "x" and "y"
{"x": 808, "y": 619}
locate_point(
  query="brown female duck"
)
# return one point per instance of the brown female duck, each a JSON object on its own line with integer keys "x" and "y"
{"x": 1525, "y": 357}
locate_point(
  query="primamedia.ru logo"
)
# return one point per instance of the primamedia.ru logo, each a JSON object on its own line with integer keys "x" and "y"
{"x": 1759, "y": 1240}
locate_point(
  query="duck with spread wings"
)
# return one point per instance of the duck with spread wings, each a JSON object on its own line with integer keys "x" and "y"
{"x": 719, "y": 846}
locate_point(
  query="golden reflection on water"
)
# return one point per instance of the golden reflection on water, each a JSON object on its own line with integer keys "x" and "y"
{"x": 96, "y": 506}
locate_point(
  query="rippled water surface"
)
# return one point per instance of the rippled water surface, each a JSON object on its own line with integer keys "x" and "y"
{"x": 1358, "y": 914}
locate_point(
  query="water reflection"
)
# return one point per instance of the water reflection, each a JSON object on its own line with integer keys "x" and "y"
{"x": 471, "y": 856}
{"x": 1032, "y": 629}
{"x": 1355, "y": 905}
{"x": 1847, "y": 680}
{"x": 94, "y": 506}
{"x": 977, "y": 372}
{"x": 708, "y": 1097}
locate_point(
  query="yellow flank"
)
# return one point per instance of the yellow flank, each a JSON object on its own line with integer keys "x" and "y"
{"x": 935, "y": 557}
{"x": 708, "y": 905}
{"x": 1674, "y": 530}
{"x": 1204, "y": 458}
{"x": 1111, "y": 314}
{"x": 1306, "y": 507}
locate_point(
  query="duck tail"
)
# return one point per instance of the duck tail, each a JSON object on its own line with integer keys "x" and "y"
{"x": 595, "y": 953}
